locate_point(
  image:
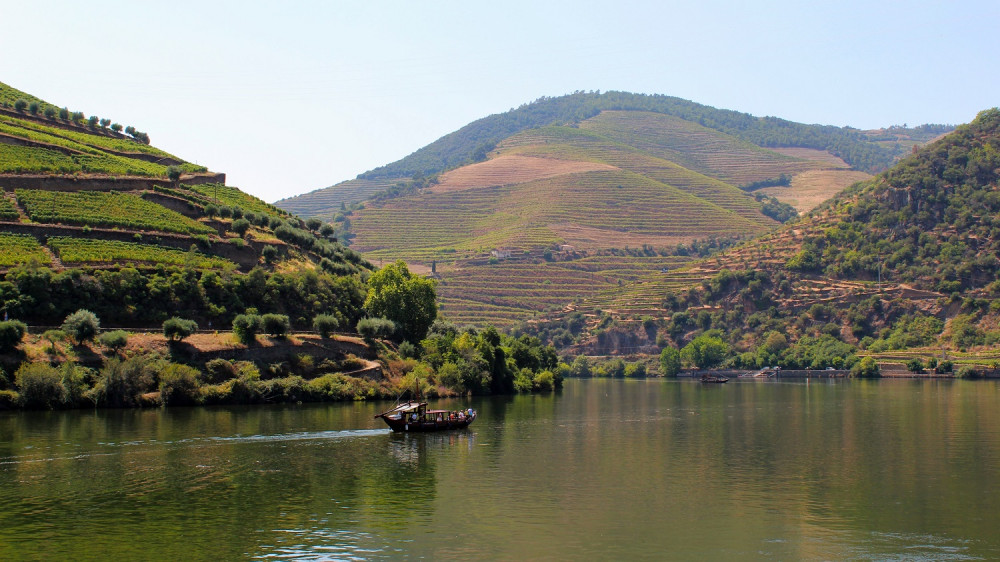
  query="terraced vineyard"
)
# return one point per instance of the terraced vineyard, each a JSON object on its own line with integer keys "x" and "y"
{"x": 77, "y": 138}
{"x": 233, "y": 197}
{"x": 325, "y": 203}
{"x": 88, "y": 251}
{"x": 108, "y": 209}
{"x": 19, "y": 249}
{"x": 695, "y": 147}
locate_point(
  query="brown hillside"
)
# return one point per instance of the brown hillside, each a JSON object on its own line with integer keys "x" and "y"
{"x": 813, "y": 187}
{"x": 510, "y": 169}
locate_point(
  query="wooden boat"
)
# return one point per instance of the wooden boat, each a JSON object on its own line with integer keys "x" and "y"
{"x": 714, "y": 378}
{"x": 414, "y": 416}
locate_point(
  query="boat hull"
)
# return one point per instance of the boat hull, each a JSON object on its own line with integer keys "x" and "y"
{"x": 402, "y": 425}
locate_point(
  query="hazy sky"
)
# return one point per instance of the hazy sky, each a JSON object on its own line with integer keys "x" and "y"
{"x": 287, "y": 97}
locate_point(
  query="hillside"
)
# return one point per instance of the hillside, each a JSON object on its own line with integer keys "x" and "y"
{"x": 580, "y": 178}
{"x": 92, "y": 214}
{"x": 901, "y": 266}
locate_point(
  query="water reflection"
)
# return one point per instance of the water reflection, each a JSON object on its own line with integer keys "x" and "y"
{"x": 606, "y": 470}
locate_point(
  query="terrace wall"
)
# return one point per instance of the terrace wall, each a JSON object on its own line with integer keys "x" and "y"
{"x": 10, "y": 182}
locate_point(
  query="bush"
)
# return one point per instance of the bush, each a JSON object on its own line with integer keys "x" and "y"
{"x": 82, "y": 325}
{"x": 866, "y": 368}
{"x": 50, "y": 112}
{"x": 967, "y": 372}
{"x": 270, "y": 253}
{"x": 375, "y": 328}
{"x": 40, "y": 385}
{"x": 325, "y": 324}
{"x": 11, "y": 333}
{"x": 121, "y": 384}
{"x": 240, "y": 226}
{"x": 179, "y": 385}
{"x": 20, "y": 104}
{"x": 945, "y": 366}
{"x": 276, "y": 325}
{"x": 670, "y": 362}
{"x": 246, "y": 327}
{"x": 915, "y": 365}
{"x": 176, "y": 329}
{"x": 114, "y": 340}
{"x": 173, "y": 173}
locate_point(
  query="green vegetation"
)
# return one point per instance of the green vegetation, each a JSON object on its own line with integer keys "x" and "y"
{"x": 11, "y": 333}
{"x": 233, "y": 197}
{"x": 83, "y": 250}
{"x": 176, "y": 329}
{"x": 83, "y": 325}
{"x": 19, "y": 249}
{"x": 108, "y": 209}
{"x": 325, "y": 324}
{"x": 115, "y": 340}
{"x": 403, "y": 298}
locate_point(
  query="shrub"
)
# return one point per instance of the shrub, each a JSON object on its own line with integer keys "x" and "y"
{"x": 82, "y": 325}
{"x": 11, "y": 333}
{"x": 240, "y": 226}
{"x": 176, "y": 329}
{"x": 20, "y": 104}
{"x": 114, "y": 340}
{"x": 276, "y": 325}
{"x": 670, "y": 362}
{"x": 866, "y": 368}
{"x": 375, "y": 328}
{"x": 544, "y": 380}
{"x": 246, "y": 327}
{"x": 915, "y": 365}
{"x": 325, "y": 324}
{"x": 945, "y": 366}
{"x": 33, "y": 107}
{"x": 64, "y": 114}
{"x": 121, "y": 384}
{"x": 409, "y": 351}
{"x": 218, "y": 370}
{"x": 211, "y": 210}
{"x": 270, "y": 253}
{"x": 179, "y": 385}
{"x": 173, "y": 173}
{"x": 635, "y": 370}
{"x": 50, "y": 112}
{"x": 967, "y": 372}
{"x": 40, "y": 385}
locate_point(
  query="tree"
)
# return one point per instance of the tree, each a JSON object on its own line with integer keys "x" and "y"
{"x": 670, "y": 361}
{"x": 11, "y": 333}
{"x": 705, "y": 351}
{"x": 33, "y": 107}
{"x": 116, "y": 127}
{"x": 20, "y": 104}
{"x": 105, "y": 122}
{"x": 176, "y": 329}
{"x": 275, "y": 325}
{"x": 313, "y": 224}
{"x": 64, "y": 114}
{"x": 173, "y": 173}
{"x": 326, "y": 230}
{"x": 50, "y": 112}
{"x": 915, "y": 365}
{"x": 867, "y": 368}
{"x": 82, "y": 325}
{"x": 246, "y": 326}
{"x": 92, "y": 121}
{"x": 240, "y": 226}
{"x": 325, "y": 324}
{"x": 404, "y": 298}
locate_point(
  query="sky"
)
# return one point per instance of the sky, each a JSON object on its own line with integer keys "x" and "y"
{"x": 289, "y": 97}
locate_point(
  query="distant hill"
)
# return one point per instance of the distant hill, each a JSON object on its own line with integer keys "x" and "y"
{"x": 869, "y": 151}
{"x": 902, "y": 266}
{"x": 511, "y": 209}
{"x": 92, "y": 215}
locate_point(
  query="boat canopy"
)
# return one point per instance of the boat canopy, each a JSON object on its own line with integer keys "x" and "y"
{"x": 403, "y": 408}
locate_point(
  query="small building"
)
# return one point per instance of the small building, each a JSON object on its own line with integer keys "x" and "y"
{"x": 566, "y": 248}
{"x": 501, "y": 254}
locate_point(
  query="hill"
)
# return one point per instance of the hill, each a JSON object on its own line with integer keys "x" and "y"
{"x": 92, "y": 215}
{"x": 901, "y": 267}
{"x": 585, "y": 177}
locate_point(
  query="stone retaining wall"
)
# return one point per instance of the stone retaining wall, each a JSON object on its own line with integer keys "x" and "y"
{"x": 10, "y": 182}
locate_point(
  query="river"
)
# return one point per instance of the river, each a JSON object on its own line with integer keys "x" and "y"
{"x": 604, "y": 469}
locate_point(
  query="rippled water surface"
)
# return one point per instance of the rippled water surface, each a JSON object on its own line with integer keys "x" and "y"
{"x": 891, "y": 470}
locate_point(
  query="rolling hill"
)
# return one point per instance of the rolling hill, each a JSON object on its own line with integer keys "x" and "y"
{"x": 503, "y": 208}
{"x": 91, "y": 213}
{"x": 900, "y": 267}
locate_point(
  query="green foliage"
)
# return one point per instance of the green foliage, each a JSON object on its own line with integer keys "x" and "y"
{"x": 82, "y": 325}
{"x": 670, "y": 362}
{"x": 40, "y": 385}
{"x": 240, "y": 226}
{"x": 867, "y": 368}
{"x": 246, "y": 327}
{"x": 121, "y": 383}
{"x": 179, "y": 385}
{"x": 325, "y": 324}
{"x": 11, "y": 333}
{"x": 635, "y": 370}
{"x": 87, "y": 250}
{"x": 114, "y": 340}
{"x": 269, "y": 253}
{"x": 376, "y": 328}
{"x": 705, "y": 351}
{"x": 404, "y": 298}
{"x": 111, "y": 209}
{"x": 915, "y": 365}
{"x": 275, "y": 325}
{"x": 20, "y": 249}
{"x": 176, "y": 329}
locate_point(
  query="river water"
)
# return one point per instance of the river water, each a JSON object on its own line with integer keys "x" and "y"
{"x": 604, "y": 469}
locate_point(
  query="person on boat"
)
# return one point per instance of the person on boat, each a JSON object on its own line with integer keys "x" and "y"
{"x": 461, "y": 415}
